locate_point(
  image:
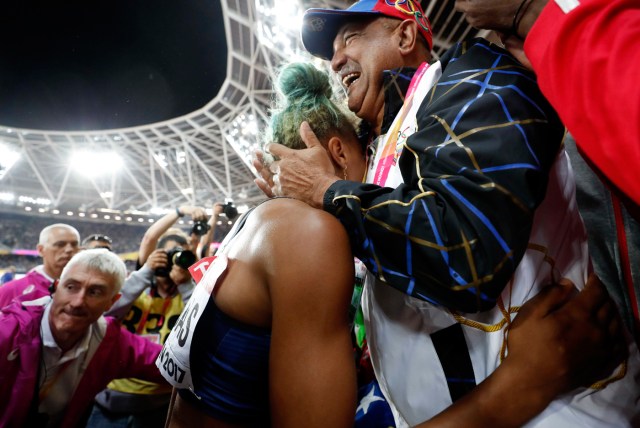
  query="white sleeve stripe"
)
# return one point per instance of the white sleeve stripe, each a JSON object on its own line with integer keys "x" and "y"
{"x": 567, "y": 5}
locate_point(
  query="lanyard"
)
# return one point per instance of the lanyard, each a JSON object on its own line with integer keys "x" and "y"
{"x": 145, "y": 315}
{"x": 390, "y": 152}
{"x": 48, "y": 384}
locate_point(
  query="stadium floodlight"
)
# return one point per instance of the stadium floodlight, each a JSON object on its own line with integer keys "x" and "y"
{"x": 277, "y": 22}
{"x": 94, "y": 164}
{"x": 8, "y": 158}
{"x": 181, "y": 156}
{"x": 159, "y": 211}
{"x": 34, "y": 201}
{"x": 7, "y": 197}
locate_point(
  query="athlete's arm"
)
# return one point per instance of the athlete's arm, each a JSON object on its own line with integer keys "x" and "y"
{"x": 312, "y": 371}
{"x": 557, "y": 343}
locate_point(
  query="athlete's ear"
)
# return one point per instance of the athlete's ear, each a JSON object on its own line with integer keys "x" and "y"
{"x": 337, "y": 152}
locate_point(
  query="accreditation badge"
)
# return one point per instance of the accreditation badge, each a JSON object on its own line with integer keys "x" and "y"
{"x": 173, "y": 361}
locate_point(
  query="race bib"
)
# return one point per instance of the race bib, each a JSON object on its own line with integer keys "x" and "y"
{"x": 173, "y": 362}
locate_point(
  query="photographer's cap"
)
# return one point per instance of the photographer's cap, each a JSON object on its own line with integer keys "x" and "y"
{"x": 320, "y": 26}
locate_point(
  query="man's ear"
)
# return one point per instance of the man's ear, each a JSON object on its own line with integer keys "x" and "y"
{"x": 40, "y": 247}
{"x": 336, "y": 150}
{"x": 114, "y": 299}
{"x": 408, "y": 32}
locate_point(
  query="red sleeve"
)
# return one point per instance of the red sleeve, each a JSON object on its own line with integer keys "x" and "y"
{"x": 588, "y": 66}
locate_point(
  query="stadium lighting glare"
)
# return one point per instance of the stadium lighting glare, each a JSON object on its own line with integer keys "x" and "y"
{"x": 81, "y": 214}
{"x": 69, "y": 213}
{"x": 27, "y": 208}
{"x": 181, "y": 156}
{"x": 7, "y": 197}
{"x": 35, "y": 201}
{"x": 243, "y": 136}
{"x": 55, "y": 212}
{"x": 160, "y": 159}
{"x": 277, "y": 22}
{"x": 94, "y": 164}
{"x": 128, "y": 219}
{"x": 8, "y": 158}
{"x": 159, "y": 211}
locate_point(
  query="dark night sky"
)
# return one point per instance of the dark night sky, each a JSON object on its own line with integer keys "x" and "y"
{"x": 79, "y": 65}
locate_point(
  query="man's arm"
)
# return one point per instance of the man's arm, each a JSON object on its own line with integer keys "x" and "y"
{"x": 557, "y": 342}
{"x": 204, "y": 246}
{"x": 473, "y": 173}
{"x": 141, "y": 355}
{"x": 134, "y": 285}
{"x": 153, "y": 234}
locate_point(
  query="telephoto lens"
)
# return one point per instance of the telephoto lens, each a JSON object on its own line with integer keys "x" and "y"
{"x": 200, "y": 227}
{"x": 230, "y": 211}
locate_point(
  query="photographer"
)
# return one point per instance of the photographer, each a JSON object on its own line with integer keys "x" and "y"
{"x": 204, "y": 246}
{"x": 160, "y": 228}
{"x": 152, "y": 299}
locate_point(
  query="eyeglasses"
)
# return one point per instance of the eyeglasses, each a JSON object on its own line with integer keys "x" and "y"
{"x": 97, "y": 237}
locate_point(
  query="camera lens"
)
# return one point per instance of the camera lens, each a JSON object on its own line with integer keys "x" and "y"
{"x": 184, "y": 259}
{"x": 230, "y": 211}
{"x": 200, "y": 227}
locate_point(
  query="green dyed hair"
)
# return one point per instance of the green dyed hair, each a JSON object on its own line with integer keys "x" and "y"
{"x": 305, "y": 93}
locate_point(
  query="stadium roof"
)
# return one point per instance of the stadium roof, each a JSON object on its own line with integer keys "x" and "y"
{"x": 197, "y": 158}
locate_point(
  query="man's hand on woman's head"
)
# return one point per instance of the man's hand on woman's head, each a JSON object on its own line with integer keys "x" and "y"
{"x": 301, "y": 174}
{"x": 265, "y": 179}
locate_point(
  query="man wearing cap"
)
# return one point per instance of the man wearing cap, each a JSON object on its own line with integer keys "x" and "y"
{"x": 97, "y": 241}
{"x": 468, "y": 209}
{"x": 56, "y": 245}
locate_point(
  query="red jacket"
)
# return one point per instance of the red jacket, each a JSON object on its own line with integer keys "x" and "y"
{"x": 587, "y": 62}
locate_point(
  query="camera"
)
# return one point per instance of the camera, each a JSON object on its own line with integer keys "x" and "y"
{"x": 178, "y": 256}
{"x": 200, "y": 227}
{"x": 229, "y": 210}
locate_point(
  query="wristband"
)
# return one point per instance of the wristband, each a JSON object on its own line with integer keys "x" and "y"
{"x": 180, "y": 215}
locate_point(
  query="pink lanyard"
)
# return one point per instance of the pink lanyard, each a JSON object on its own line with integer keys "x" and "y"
{"x": 390, "y": 153}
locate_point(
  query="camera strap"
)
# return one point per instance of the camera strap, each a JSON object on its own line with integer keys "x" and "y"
{"x": 145, "y": 315}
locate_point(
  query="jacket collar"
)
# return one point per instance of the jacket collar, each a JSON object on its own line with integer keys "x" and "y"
{"x": 396, "y": 84}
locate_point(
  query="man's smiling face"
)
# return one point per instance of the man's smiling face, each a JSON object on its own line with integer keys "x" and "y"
{"x": 363, "y": 49}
